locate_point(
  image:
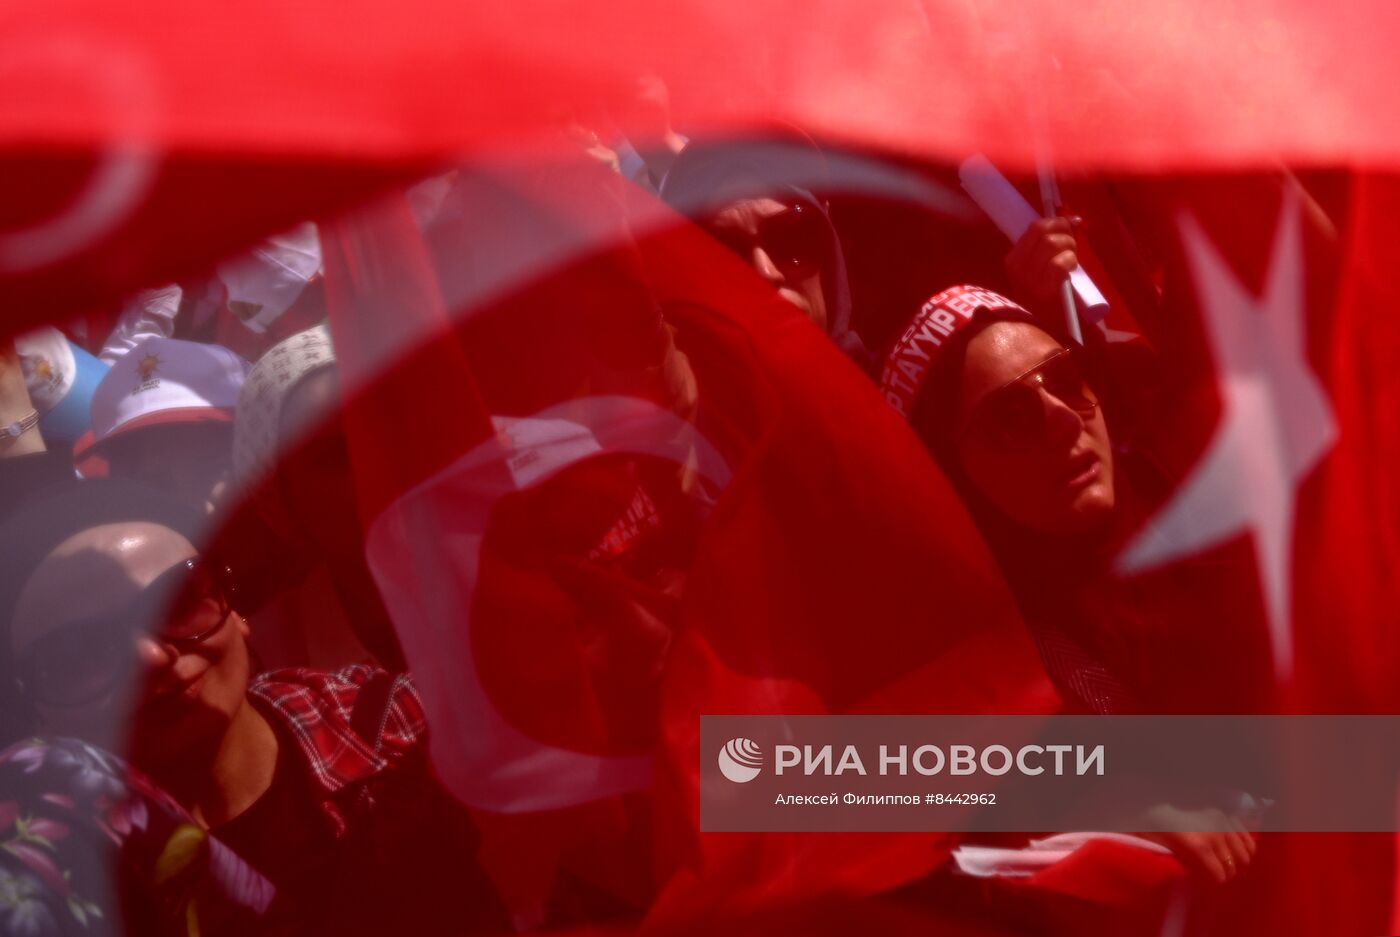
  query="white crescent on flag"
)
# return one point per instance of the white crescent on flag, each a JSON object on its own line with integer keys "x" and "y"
{"x": 120, "y": 80}
{"x": 428, "y": 584}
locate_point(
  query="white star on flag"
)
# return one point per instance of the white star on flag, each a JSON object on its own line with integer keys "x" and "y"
{"x": 1275, "y": 425}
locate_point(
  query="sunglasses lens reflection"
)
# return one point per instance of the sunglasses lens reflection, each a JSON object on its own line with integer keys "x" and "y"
{"x": 197, "y": 608}
{"x": 795, "y": 239}
{"x": 1017, "y": 414}
{"x": 1014, "y": 416}
{"x": 1064, "y": 380}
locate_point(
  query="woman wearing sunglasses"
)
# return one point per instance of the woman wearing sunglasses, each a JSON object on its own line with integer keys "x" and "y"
{"x": 1015, "y": 419}
{"x": 1007, "y": 411}
{"x": 1011, "y": 416}
{"x": 754, "y": 197}
{"x": 120, "y": 633}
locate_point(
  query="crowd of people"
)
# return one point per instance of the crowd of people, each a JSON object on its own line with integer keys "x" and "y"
{"x": 206, "y": 689}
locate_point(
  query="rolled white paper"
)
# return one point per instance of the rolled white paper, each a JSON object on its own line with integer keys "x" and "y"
{"x": 1012, "y": 215}
{"x": 1038, "y": 855}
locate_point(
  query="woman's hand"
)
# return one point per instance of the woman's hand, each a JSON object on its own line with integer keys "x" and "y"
{"x": 1043, "y": 256}
{"x": 15, "y": 404}
{"x": 1217, "y": 847}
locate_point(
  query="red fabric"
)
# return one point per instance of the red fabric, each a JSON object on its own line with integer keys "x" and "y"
{"x": 1345, "y": 527}
{"x": 835, "y": 543}
{"x": 1102, "y": 888}
{"x": 257, "y": 116}
{"x": 834, "y": 519}
{"x": 1354, "y": 519}
{"x": 385, "y": 303}
{"x": 1114, "y": 85}
{"x": 1348, "y": 637}
{"x": 842, "y": 575}
{"x": 405, "y": 367}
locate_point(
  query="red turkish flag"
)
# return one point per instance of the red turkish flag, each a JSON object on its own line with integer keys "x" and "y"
{"x": 1209, "y": 83}
{"x": 527, "y": 607}
{"x": 140, "y": 145}
{"x": 1280, "y": 372}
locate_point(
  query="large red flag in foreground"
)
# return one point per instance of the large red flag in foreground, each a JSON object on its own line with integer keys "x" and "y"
{"x": 1211, "y": 82}
{"x": 613, "y": 404}
{"x": 1283, "y": 377}
{"x": 124, "y": 131}
{"x": 827, "y": 539}
{"x": 536, "y": 426}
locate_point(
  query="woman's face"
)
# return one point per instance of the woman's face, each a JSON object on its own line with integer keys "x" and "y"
{"x": 77, "y": 620}
{"x": 785, "y": 244}
{"x": 1030, "y": 434}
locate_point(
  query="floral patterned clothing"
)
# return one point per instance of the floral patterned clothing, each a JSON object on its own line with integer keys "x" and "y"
{"x": 89, "y": 846}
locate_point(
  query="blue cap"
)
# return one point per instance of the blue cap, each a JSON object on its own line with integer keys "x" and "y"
{"x": 71, "y": 417}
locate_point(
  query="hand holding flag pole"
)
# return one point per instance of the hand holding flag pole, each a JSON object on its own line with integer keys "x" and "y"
{"x": 1013, "y": 216}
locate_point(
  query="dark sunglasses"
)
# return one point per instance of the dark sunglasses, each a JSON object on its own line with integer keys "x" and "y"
{"x": 1013, "y": 416}
{"x": 83, "y": 660}
{"x": 797, "y": 240}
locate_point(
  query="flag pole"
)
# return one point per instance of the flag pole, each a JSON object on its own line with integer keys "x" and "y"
{"x": 1049, "y": 190}
{"x": 1050, "y": 207}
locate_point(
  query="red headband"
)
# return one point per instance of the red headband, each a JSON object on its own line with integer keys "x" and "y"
{"x": 907, "y": 364}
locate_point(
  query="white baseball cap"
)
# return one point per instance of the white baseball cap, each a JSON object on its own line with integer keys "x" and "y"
{"x": 161, "y": 381}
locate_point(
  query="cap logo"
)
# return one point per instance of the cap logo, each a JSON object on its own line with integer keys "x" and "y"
{"x": 146, "y": 373}
{"x": 146, "y": 367}
{"x": 40, "y": 373}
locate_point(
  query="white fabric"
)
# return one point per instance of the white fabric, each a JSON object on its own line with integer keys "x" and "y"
{"x": 538, "y": 447}
{"x": 148, "y": 314}
{"x": 264, "y": 283}
{"x": 1040, "y": 854}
